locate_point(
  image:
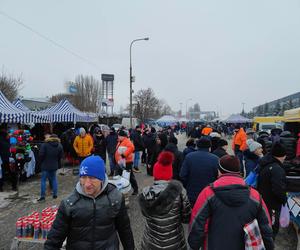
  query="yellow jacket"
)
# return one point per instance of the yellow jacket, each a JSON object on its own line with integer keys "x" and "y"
{"x": 83, "y": 145}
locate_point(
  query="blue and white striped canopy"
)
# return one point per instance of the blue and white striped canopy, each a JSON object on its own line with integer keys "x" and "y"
{"x": 10, "y": 113}
{"x": 31, "y": 116}
{"x": 64, "y": 111}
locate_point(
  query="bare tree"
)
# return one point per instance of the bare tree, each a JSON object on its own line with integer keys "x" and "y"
{"x": 10, "y": 85}
{"x": 147, "y": 105}
{"x": 87, "y": 93}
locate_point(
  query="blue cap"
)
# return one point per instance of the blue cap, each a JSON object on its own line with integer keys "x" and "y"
{"x": 93, "y": 166}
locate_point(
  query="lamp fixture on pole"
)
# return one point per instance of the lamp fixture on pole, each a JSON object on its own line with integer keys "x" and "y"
{"x": 131, "y": 78}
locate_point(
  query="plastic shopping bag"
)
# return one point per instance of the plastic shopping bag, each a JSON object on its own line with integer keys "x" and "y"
{"x": 251, "y": 179}
{"x": 284, "y": 218}
{"x": 126, "y": 174}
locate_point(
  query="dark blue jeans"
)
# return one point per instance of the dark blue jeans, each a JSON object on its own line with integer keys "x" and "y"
{"x": 239, "y": 154}
{"x": 111, "y": 159}
{"x": 136, "y": 160}
{"x": 51, "y": 176}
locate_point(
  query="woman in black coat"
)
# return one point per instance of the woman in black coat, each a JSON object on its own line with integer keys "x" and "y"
{"x": 99, "y": 144}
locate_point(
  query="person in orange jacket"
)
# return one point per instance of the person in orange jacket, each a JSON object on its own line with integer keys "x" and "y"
{"x": 83, "y": 144}
{"x": 239, "y": 144}
{"x": 207, "y": 130}
{"x": 124, "y": 158}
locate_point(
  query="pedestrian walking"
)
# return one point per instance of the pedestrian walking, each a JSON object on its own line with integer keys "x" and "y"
{"x": 178, "y": 156}
{"x": 165, "y": 207}
{"x": 190, "y": 147}
{"x": 138, "y": 143}
{"x": 83, "y": 144}
{"x": 225, "y": 208}
{"x": 271, "y": 182}
{"x": 94, "y": 216}
{"x": 252, "y": 155}
{"x": 111, "y": 144}
{"x": 99, "y": 144}
{"x": 124, "y": 158}
{"x": 6, "y": 172}
{"x": 239, "y": 144}
{"x": 50, "y": 156}
{"x": 199, "y": 168}
{"x": 221, "y": 150}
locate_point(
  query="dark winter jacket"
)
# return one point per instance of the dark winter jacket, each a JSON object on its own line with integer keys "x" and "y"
{"x": 222, "y": 211}
{"x": 4, "y": 147}
{"x": 289, "y": 142}
{"x": 198, "y": 170}
{"x": 111, "y": 142}
{"x": 149, "y": 142}
{"x": 271, "y": 182}
{"x": 251, "y": 161}
{"x": 137, "y": 140}
{"x": 188, "y": 150}
{"x": 178, "y": 159}
{"x": 219, "y": 152}
{"x": 91, "y": 223}
{"x": 50, "y": 154}
{"x": 265, "y": 141}
{"x": 214, "y": 143}
{"x": 165, "y": 206}
{"x": 100, "y": 146}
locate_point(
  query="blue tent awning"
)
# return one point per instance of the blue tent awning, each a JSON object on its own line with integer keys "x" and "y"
{"x": 10, "y": 113}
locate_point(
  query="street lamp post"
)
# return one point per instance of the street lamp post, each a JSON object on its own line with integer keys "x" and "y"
{"x": 131, "y": 78}
{"x": 186, "y": 103}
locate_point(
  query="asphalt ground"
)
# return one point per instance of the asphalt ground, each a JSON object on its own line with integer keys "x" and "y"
{"x": 11, "y": 209}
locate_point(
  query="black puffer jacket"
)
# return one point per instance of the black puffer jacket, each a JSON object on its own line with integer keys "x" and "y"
{"x": 271, "y": 182}
{"x": 265, "y": 140}
{"x": 50, "y": 154}
{"x": 289, "y": 142}
{"x": 89, "y": 223}
{"x": 165, "y": 206}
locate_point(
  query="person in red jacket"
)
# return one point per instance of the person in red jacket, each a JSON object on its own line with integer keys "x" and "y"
{"x": 224, "y": 208}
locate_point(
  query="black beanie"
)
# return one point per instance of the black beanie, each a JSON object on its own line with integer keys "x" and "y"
{"x": 222, "y": 143}
{"x": 122, "y": 133}
{"x": 278, "y": 150}
{"x": 204, "y": 142}
{"x": 229, "y": 164}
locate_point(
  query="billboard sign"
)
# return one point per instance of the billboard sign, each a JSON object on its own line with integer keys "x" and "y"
{"x": 107, "y": 77}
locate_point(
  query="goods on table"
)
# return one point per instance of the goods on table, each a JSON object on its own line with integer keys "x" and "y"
{"x": 36, "y": 225}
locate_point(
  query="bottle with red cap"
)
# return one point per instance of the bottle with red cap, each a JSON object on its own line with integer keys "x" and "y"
{"x": 19, "y": 228}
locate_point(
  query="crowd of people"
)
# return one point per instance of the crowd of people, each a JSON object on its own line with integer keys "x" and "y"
{"x": 204, "y": 186}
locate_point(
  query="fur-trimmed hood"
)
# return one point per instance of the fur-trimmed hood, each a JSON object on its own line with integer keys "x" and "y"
{"x": 159, "y": 198}
{"x": 53, "y": 141}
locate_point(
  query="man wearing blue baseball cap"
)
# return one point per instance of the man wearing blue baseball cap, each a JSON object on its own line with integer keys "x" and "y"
{"x": 93, "y": 214}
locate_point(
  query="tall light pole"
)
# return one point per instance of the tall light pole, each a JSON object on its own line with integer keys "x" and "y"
{"x": 180, "y": 109}
{"x": 186, "y": 103}
{"x": 243, "y": 110}
{"x": 131, "y": 80}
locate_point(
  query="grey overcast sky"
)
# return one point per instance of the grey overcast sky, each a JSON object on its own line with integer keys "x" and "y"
{"x": 219, "y": 53}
